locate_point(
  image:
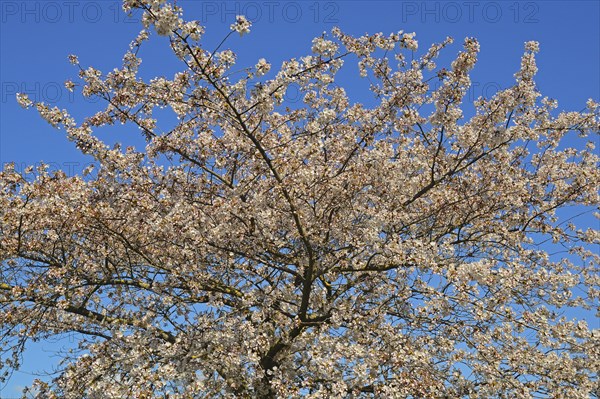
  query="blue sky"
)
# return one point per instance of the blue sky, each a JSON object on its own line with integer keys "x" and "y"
{"x": 37, "y": 36}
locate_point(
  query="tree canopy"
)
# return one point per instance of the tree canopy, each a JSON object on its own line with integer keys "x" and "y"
{"x": 322, "y": 249}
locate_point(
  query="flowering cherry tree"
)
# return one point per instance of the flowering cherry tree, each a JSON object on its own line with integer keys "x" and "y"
{"x": 325, "y": 249}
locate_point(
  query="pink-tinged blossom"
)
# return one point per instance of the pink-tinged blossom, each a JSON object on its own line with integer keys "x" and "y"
{"x": 23, "y": 100}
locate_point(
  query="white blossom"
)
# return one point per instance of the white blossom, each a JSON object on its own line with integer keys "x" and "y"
{"x": 167, "y": 20}
{"x": 262, "y": 67}
{"x": 241, "y": 25}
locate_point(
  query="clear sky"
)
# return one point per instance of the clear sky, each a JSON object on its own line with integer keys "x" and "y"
{"x": 37, "y": 36}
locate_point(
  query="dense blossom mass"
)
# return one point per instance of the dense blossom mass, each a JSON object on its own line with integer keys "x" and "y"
{"x": 415, "y": 247}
